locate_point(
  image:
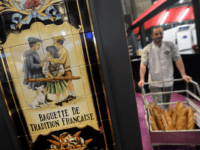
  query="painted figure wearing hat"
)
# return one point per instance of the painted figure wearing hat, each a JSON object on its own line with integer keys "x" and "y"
{"x": 64, "y": 59}
{"x": 52, "y": 70}
{"x": 33, "y": 66}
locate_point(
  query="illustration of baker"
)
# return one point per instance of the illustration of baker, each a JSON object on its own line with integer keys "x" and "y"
{"x": 33, "y": 66}
{"x": 53, "y": 70}
{"x": 65, "y": 61}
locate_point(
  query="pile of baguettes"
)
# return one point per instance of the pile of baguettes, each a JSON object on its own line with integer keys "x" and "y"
{"x": 180, "y": 118}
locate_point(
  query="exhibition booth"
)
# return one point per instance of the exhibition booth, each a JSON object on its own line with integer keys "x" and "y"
{"x": 180, "y": 26}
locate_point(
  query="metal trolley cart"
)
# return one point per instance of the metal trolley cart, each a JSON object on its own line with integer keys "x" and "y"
{"x": 180, "y": 137}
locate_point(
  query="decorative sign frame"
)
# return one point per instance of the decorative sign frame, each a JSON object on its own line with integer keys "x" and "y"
{"x": 51, "y": 76}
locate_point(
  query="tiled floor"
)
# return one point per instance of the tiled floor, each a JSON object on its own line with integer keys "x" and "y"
{"x": 145, "y": 137}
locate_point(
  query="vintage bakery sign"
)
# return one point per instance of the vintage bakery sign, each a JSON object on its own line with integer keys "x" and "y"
{"x": 52, "y": 119}
{"x": 31, "y": 9}
{"x": 48, "y": 75}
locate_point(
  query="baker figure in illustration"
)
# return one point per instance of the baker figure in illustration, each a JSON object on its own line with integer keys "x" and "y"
{"x": 33, "y": 66}
{"x": 65, "y": 61}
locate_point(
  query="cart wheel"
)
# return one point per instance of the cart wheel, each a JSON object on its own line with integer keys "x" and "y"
{"x": 197, "y": 147}
{"x": 156, "y": 147}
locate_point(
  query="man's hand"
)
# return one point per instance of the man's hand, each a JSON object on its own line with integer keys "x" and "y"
{"x": 141, "y": 83}
{"x": 48, "y": 59}
{"x": 52, "y": 77}
{"x": 41, "y": 64}
{"x": 187, "y": 78}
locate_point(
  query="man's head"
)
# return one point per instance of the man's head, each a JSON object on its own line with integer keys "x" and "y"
{"x": 58, "y": 41}
{"x": 157, "y": 34}
{"x": 34, "y": 43}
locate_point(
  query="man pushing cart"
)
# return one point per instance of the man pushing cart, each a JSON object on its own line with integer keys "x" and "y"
{"x": 158, "y": 55}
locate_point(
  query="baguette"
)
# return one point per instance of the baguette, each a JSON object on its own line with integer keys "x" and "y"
{"x": 171, "y": 110}
{"x": 166, "y": 113}
{"x": 153, "y": 123}
{"x": 54, "y": 142}
{"x": 55, "y": 137}
{"x": 157, "y": 108}
{"x": 158, "y": 120}
{"x": 88, "y": 141}
{"x": 182, "y": 119}
{"x": 174, "y": 118}
{"x": 180, "y": 108}
{"x": 177, "y": 105}
{"x": 161, "y": 110}
{"x": 181, "y": 123}
{"x": 164, "y": 121}
{"x": 190, "y": 122}
{"x": 152, "y": 105}
{"x": 170, "y": 122}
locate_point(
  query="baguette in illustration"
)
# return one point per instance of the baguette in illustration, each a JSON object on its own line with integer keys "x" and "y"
{"x": 67, "y": 141}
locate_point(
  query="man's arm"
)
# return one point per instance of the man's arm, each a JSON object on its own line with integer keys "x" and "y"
{"x": 142, "y": 72}
{"x": 61, "y": 59}
{"x": 143, "y": 64}
{"x": 30, "y": 64}
{"x": 181, "y": 68}
{"x": 142, "y": 75}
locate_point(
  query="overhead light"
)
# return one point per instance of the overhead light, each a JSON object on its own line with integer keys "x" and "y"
{"x": 186, "y": 11}
{"x": 181, "y": 1}
{"x": 164, "y": 17}
{"x": 154, "y": 2}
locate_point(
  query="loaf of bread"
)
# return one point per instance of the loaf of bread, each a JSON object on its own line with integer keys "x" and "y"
{"x": 166, "y": 113}
{"x": 171, "y": 110}
{"x": 161, "y": 110}
{"x": 176, "y": 107}
{"x": 164, "y": 121}
{"x": 153, "y": 123}
{"x": 152, "y": 105}
{"x": 180, "y": 108}
{"x": 157, "y": 108}
{"x": 170, "y": 122}
{"x": 190, "y": 122}
{"x": 181, "y": 122}
{"x": 158, "y": 120}
{"x": 174, "y": 117}
{"x": 150, "y": 110}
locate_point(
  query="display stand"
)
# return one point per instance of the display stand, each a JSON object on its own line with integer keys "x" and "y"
{"x": 116, "y": 67}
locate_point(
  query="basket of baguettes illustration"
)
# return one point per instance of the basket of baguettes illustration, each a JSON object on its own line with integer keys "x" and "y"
{"x": 67, "y": 141}
{"x": 180, "y": 124}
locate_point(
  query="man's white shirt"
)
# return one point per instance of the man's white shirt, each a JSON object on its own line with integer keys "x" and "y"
{"x": 159, "y": 61}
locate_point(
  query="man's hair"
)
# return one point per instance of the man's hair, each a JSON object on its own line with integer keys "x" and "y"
{"x": 32, "y": 44}
{"x": 155, "y": 27}
{"x": 60, "y": 42}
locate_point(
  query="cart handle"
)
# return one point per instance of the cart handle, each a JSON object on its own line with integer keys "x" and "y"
{"x": 191, "y": 81}
{"x": 146, "y": 83}
{"x": 180, "y": 91}
{"x": 196, "y": 84}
